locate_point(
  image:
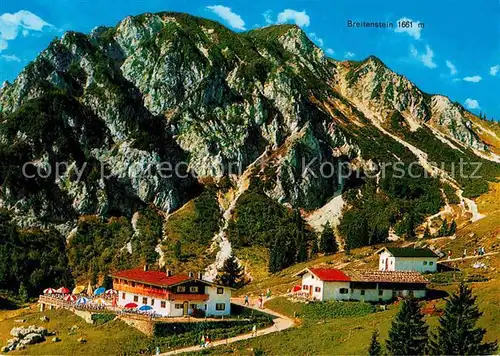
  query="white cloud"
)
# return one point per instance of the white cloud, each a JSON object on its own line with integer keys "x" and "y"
{"x": 471, "y": 104}
{"x": 349, "y": 55}
{"x": 330, "y": 51}
{"x": 10, "y": 58}
{"x": 316, "y": 39}
{"x": 413, "y": 31}
{"x": 267, "y": 17}
{"x": 426, "y": 58}
{"x": 473, "y": 79}
{"x": 24, "y": 21}
{"x": 494, "y": 70}
{"x": 300, "y": 18}
{"x": 451, "y": 66}
{"x": 234, "y": 20}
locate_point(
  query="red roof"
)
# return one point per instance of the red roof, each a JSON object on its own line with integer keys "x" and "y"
{"x": 330, "y": 274}
{"x": 156, "y": 278}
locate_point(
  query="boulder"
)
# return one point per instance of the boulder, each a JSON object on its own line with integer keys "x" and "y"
{"x": 82, "y": 340}
{"x": 55, "y": 339}
{"x": 44, "y": 319}
{"x": 19, "y": 320}
{"x": 32, "y": 338}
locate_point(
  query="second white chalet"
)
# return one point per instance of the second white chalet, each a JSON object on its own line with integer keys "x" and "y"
{"x": 407, "y": 259}
{"x": 371, "y": 286}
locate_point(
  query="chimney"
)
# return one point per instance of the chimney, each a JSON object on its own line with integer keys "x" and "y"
{"x": 200, "y": 276}
{"x": 145, "y": 268}
{"x": 191, "y": 275}
{"x": 169, "y": 273}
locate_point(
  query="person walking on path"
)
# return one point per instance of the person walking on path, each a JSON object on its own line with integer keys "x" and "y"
{"x": 202, "y": 341}
{"x": 268, "y": 293}
{"x": 465, "y": 253}
{"x": 247, "y": 302}
{"x": 254, "y": 330}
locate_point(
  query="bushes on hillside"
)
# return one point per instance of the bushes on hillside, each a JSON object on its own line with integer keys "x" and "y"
{"x": 31, "y": 260}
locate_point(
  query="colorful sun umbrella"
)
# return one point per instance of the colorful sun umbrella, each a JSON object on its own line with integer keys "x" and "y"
{"x": 99, "y": 291}
{"x": 297, "y": 288}
{"x": 130, "y": 305}
{"x": 49, "y": 291}
{"x": 63, "y": 290}
{"x": 78, "y": 289}
{"x": 111, "y": 292}
{"x": 89, "y": 289}
{"x": 145, "y": 307}
{"x": 82, "y": 300}
{"x": 100, "y": 301}
{"x": 71, "y": 298}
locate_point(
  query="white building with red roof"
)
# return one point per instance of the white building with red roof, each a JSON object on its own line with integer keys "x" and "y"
{"x": 371, "y": 286}
{"x": 171, "y": 295}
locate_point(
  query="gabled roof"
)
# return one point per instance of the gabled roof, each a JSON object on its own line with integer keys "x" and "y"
{"x": 387, "y": 277}
{"x": 408, "y": 252}
{"x": 336, "y": 275}
{"x": 156, "y": 278}
{"x": 326, "y": 274}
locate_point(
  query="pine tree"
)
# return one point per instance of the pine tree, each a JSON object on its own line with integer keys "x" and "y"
{"x": 375, "y": 349}
{"x": 23, "y": 293}
{"x": 327, "y": 241}
{"x": 314, "y": 247}
{"x": 231, "y": 273}
{"x": 408, "y": 334}
{"x": 453, "y": 228}
{"x": 178, "y": 250}
{"x": 456, "y": 333}
{"x": 444, "y": 229}
{"x": 427, "y": 232}
{"x": 300, "y": 237}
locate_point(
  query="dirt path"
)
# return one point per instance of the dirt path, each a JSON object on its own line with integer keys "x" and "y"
{"x": 468, "y": 257}
{"x": 282, "y": 322}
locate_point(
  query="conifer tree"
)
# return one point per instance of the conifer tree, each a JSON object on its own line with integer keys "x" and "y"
{"x": 314, "y": 247}
{"x": 178, "y": 250}
{"x": 456, "y": 333}
{"x": 408, "y": 334}
{"x": 231, "y": 273}
{"x": 444, "y": 229}
{"x": 327, "y": 242}
{"x": 427, "y": 232}
{"x": 23, "y": 293}
{"x": 453, "y": 228}
{"x": 375, "y": 349}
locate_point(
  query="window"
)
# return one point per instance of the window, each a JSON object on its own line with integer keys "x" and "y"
{"x": 220, "y": 290}
{"x": 178, "y": 306}
{"x": 304, "y": 287}
{"x": 205, "y": 307}
{"x": 181, "y": 289}
{"x": 133, "y": 284}
{"x": 380, "y": 292}
{"x": 344, "y": 290}
{"x": 431, "y": 263}
{"x": 425, "y": 263}
{"x": 193, "y": 289}
{"x": 123, "y": 295}
{"x": 163, "y": 304}
{"x": 220, "y": 306}
{"x": 152, "y": 301}
{"x": 144, "y": 300}
{"x": 193, "y": 306}
{"x": 362, "y": 292}
{"x": 317, "y": 289}
{"x": 136, "y": 298}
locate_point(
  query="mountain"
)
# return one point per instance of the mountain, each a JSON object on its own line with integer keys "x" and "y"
{"x": 258, "y": 128}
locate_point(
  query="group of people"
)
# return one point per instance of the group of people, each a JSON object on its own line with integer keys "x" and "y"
{"x": 477, "y": 252}
{"x": 205, "y": 340}
{"x": 260, "y": 300}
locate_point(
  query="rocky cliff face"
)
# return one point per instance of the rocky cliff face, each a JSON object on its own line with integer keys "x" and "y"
{"x": 167, "y": 89}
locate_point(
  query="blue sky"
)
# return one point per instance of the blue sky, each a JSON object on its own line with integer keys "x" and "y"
{"x": 457, "y": 53}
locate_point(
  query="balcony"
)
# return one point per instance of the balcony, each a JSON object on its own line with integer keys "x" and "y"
{"x": 147, "y": 291}
{"x": 188, "y": 297}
